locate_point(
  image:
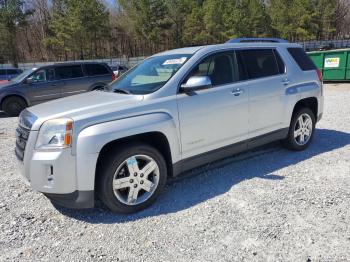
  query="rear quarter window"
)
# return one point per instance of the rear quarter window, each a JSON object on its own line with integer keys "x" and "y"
{"x": 301, "y": 58}
{"x": 96, "y": 69}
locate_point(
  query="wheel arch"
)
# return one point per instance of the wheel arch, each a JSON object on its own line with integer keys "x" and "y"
{"x": 13, "y": 95}
{"x": 155, "y": 139}
{"x": 96, "y": 85}
{"x": 309, "y": 102}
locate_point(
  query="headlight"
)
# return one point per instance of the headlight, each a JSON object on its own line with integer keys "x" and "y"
{"x": 55, "y": 133}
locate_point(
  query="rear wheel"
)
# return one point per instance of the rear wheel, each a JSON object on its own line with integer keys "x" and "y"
{"x": 13, "y": 105}
{"x": 99, "y": 88}
{"x": 131, "y": 178}
{"x": 301, "y": 130}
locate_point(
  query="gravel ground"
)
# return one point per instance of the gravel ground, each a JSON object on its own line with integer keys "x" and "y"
{"x": 265, "y": 205}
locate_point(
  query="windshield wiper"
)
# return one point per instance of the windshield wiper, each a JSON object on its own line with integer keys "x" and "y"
{"x": 121, "y": 91}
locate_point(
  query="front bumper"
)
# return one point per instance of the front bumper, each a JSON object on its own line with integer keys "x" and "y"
{"x": 53, "y": 173}
{"x": 76, "y": 200}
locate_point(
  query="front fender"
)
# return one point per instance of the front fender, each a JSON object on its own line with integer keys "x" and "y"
{"x": 13, "y": 93}
{"x": 92, "y": 139}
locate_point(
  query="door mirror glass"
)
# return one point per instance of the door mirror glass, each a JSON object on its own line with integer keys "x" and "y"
{"x": 195, "y": 83}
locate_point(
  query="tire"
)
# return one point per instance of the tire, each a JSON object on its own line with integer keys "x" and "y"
{"x": 294, "y": 141}
{"x": 13, "y": 105}
{"x": 117, "y": 181}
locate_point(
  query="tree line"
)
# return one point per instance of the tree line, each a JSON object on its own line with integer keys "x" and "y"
{"x": 47, "y": 30}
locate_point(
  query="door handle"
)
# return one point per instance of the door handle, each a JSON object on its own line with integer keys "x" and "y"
{"x": 237, "y": 92}
{"x": 286, "y": 81}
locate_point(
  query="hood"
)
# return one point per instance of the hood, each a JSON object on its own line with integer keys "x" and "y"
{"x": 89, "y": 105}
{"x": 6, "y": 83}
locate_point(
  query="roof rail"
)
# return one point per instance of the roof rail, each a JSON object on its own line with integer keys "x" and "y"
{"x": 262, "y": 39}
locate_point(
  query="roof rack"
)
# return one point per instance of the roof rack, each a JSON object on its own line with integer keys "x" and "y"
{"x": 262, "y": 39}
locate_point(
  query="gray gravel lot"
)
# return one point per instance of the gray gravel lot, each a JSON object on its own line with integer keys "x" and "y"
{"x": 265, "y": 205}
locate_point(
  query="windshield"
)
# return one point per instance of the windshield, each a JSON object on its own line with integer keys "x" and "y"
{"x": 23, "y": 75}
{"x": 150, "y": 75}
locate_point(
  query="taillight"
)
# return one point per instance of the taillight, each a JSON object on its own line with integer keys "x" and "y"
{"x": 114, "y": 77}
{"x": 319, "y": 73}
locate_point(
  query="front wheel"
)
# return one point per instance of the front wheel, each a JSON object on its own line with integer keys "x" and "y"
{"x": 301, "y": 130}
{"x": 131, "y": 178}
{"x": 13, "y": 105}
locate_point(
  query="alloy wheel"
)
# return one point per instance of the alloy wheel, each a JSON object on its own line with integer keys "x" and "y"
{"x": 136, "y": 179}
{"x": 303, "y": 129}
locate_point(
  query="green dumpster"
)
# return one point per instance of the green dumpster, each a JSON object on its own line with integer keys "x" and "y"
{"x": 334, "y": 64}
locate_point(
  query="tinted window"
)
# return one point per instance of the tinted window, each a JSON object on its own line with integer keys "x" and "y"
{"x": 259, "y": 62}
{"x": 302, "y": 59}
{"x": 219, "y": 68}
{"x": 14, "y": 71}
{"x": 67, "y": 72}
{"x": 242, "y": 70}
{"x": 96, "y": 69}
{"x": 2, "y": 72}
{"x": 280, "y": 63}
{"x": 50, "y": 74}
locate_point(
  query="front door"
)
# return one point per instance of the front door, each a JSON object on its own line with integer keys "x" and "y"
{"x": 218, "y": 116}
{"x": 42, "y": 86}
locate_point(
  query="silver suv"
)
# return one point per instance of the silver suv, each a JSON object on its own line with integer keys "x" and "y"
{"x": 176, "y": 110}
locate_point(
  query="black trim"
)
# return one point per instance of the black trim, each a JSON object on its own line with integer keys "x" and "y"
{"x": 227, "y": 151}
{"x": 76, "y": 200}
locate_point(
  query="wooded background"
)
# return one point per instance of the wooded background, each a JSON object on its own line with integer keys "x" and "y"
{"x": 58, "y": 30}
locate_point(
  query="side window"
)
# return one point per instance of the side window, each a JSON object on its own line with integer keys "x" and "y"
{"x": 68, "y": 72}
{"x": 39, "y": 76}
{"x": 219, "y": 68}
{"x": 50, "y": 73}
{"x": 96, "y": 69}
{"x": 2, "y": 72}
{"x": 259, "y": 62}
{"x": 12, "y": 71}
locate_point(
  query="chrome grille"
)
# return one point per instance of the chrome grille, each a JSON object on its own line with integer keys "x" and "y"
{"x": 22, "y": 135}
{"x": 26, "y": 120}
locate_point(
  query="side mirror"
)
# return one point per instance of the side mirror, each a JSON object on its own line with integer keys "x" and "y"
{"x": 195, "y": 83}
{"x": 28, "y": 81}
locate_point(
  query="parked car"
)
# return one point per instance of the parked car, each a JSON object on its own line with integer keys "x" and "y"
{"x": 7, "y": 73}
{"x": 118, "y": 70}
{"x": 175, "y": 111}
{"x": 50, "y": 82}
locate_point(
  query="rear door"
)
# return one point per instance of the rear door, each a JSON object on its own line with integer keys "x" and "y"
{"x": 75, "y": 82}
{"x": 98, "y": 74}
{"x": 266, "y": 78}
{"x": 43, "y": 86}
